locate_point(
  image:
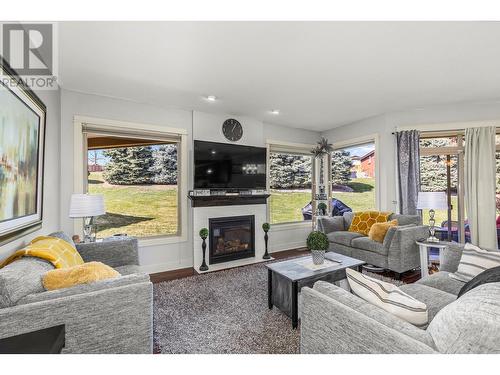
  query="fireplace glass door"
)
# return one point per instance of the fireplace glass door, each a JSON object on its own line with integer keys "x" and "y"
{"x": 231, "y": 238}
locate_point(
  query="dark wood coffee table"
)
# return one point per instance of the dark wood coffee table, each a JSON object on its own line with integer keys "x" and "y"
{"x": 286, "y": 278}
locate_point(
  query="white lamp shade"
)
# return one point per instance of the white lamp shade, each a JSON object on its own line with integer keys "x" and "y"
{"x": 436, "y": 200}
{"x": 86, "y": 205}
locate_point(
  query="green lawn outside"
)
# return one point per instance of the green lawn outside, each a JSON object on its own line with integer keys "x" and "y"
{"x": 286, "y": 205}
{"x": 363, "y": 197}
{"x": 142, "y": 210}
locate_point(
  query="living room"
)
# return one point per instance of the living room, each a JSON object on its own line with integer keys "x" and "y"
{"x": 263, "y": 187}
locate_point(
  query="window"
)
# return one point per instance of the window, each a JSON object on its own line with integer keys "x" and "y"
{"x": 139, "y": 180}
{"x": 290, "y": 185}
{"x": 353, "y": 176}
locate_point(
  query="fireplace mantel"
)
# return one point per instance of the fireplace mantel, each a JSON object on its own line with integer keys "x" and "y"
{"x": 227, "y": 200}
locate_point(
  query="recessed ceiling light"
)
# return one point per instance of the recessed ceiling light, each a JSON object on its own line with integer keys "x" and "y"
{"x": 211, "y": 98}
{"x": 275, "y": 111}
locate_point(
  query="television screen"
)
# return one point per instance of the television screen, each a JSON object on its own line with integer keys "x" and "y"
{"x": 228, "y": 166}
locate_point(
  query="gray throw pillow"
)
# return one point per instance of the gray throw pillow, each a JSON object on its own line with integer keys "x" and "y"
{"x": 489, "y": 276}
{"x": 63, "y": 236}
{"x": 21, "y": 278}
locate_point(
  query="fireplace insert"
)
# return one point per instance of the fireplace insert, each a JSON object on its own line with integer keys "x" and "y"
{"x": 231, "y": 238}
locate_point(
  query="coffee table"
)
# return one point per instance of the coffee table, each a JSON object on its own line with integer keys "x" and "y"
{"x": 286, "y": 278}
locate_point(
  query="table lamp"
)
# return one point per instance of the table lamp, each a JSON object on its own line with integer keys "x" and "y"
{"x": 432, "y": 200}
{"x": 87, "y": 206}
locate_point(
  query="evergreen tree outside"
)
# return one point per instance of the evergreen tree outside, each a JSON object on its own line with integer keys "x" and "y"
{"x": 433, "y": 168}
{"x": 341, "y": 167}
{"x": 129, "y": 166}
{"x": 165, "y": 165}
{"x": 288, "y": 171}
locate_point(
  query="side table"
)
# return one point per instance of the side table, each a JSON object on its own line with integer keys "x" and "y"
{"x": 423, "y": 247}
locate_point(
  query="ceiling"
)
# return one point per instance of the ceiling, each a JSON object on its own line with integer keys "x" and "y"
{"x": 318, "y": 74}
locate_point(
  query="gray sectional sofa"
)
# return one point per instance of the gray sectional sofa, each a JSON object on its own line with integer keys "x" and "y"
{"x": 108, "y": 316}
{"x": 398, "y": 252}
{"x": 336, "y": 321}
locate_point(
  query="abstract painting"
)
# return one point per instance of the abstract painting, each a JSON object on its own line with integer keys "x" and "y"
{"x": 22, "y": 118}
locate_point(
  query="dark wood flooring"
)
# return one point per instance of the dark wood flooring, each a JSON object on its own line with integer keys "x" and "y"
{"x": 408, "y": 277}
{"x": 186, "y": 272}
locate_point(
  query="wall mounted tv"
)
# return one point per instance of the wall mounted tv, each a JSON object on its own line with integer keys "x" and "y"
{"x": 228, "y": 166}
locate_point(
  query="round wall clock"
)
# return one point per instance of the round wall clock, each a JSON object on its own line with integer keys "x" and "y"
{"x": 232, "y": 130}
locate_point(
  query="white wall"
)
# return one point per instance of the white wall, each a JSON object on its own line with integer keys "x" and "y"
{"x": 385, "y": 124}
{"x": 51, "y": 180}
{"x": 208, "y": 127}
{"x": 153, "y": 258}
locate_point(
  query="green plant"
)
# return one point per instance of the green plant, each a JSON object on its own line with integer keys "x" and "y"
{"x": 266, "y": 227}
{"x": 322, "y": 207}
{"x": 203, "y": 233}
{"x": 317, "y": 241}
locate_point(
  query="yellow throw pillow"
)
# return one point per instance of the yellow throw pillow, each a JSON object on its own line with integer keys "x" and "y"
{"x": 82, "y": 274}
{"x": 379, "y": 230}
{"x": 363, "y": 221}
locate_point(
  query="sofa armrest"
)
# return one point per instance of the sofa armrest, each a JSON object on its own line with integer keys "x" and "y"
{"x": 403, "y": 254}
{"x": 111, "y": 320}
{"x": 450, "y": 257}
{"x": 330, "y": 327}
{"x": 113, "y": 253}
{"x": 328, "y": 224}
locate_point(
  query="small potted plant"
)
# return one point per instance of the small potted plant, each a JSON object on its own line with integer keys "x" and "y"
{"x": 317, "y": 243}
{"x": 265, "y": 228}
{"x": 322, "y": 207}
{"x": 203, "y": 234}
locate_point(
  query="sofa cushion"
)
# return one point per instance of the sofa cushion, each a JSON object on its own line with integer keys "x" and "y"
{"x": 471, "y": 324}
{"x": 331, "y": 224}
{"x": 369, "y": 245}
{"x": 388, "y": 297}
{"x": 442, "y": 281}
{"x": 21, "y": 278}
{"x": 348, "y": 216}
{"x": 343, "y": 237}
{"x": 434, "y": 299}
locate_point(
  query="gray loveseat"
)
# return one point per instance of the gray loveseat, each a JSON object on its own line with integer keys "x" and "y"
{"x": 398, "y": 252}
{"x": 108, "y": 316}
{"x": 335, "y": 321}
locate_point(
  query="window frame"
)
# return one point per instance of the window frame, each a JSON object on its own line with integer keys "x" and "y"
{"x": 292, "y": 148}
{"x": 80, "y": 168}
{"x": 358, "y": 141}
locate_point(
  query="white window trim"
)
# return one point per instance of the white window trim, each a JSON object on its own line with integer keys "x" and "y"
{"x": 79, "y": 173}
{"x": 375, "y": 138}
{"x": 292, "y": 148}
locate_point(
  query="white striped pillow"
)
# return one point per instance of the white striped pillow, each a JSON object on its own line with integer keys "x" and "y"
{"x": 388, "y": 297}
{"x": 475, "y": 260}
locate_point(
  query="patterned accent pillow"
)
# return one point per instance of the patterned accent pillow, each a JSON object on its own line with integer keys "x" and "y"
{"x": 388, "y": 297}
{"x": 363, "y": 221}
{"x": 475, "y": 260}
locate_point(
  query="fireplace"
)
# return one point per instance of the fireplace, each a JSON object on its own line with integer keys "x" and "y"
{"x": 231, "y": 238}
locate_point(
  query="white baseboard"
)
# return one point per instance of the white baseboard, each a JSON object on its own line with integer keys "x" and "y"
{"x": 287, "y": 246}
{"x": 163, "y": 267}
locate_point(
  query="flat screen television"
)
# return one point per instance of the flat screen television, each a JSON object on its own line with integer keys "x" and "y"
{"x": 228, "y": 166}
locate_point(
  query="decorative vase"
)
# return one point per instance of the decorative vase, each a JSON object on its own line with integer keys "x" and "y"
{"x": 318, "y": 256}
{"x": 204, "y": 266}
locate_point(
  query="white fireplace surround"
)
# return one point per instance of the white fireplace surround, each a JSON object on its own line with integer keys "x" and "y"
{"x": 201, "y": 215}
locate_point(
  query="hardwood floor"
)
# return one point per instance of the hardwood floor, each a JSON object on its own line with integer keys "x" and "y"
{"x": 408, "y": 277}
{"x": 186, "y": 272}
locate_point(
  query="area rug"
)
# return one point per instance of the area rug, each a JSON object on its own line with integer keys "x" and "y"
{"x": 221, "y": 312}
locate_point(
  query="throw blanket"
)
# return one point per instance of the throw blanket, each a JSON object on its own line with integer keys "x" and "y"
{"x": 54, "y": 250}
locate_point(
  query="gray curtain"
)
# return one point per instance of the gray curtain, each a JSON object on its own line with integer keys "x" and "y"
{"x": 480, "y": 185}
{"x": 408, "y": 154}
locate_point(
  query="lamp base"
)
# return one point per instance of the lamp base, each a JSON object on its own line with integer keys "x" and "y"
{"x": 432, "y": 239}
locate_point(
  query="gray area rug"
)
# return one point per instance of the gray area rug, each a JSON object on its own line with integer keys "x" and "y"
{"x": 221, "y": 312}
